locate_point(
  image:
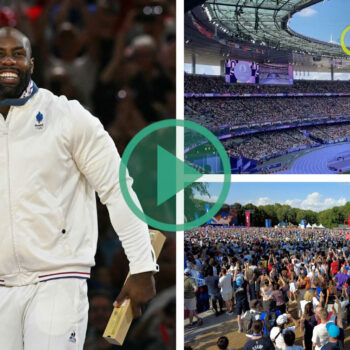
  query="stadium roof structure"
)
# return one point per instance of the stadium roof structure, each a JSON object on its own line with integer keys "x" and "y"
{"x": 265, "y": 22}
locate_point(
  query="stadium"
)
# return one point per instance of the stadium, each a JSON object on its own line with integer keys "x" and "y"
{"x": 263, "y": 106}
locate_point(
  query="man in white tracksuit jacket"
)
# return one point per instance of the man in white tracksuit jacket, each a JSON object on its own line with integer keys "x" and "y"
{"x": 54, "y": 155}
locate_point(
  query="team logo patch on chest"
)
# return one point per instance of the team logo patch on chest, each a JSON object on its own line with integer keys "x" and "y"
{"x": 73, "y": 338}
{"x": 39, "y": 124}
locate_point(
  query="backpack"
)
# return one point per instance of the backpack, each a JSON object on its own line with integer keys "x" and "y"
{"x": 248, "y": 319}
{"x": 270, "y": 320}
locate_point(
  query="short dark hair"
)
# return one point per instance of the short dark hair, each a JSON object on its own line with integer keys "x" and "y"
{"x": 222, "y": 343}
{"x": 257, "y": 326}
{"x": 289, "y": 338}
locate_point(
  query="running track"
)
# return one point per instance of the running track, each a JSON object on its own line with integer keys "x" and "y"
{"x": 316, "y": 162}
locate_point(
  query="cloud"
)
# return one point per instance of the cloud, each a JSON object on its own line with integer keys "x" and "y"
{"x": 263, "y": 201}
{"x": 316, "y": 202}
{"x": 307, "y": 12}
{"x": 313, "y": 201}
{"x": 294, "y": 203}
{"x": 206, "y": 197}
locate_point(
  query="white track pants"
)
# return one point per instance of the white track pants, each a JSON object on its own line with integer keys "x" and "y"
{"x": 49, "y": 315}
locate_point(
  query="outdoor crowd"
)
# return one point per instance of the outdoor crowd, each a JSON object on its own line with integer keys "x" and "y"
{"x": 211, "y": 112}
{"x": 217, "y": 84}
{"x": 276, "y": 281}
{"x": 117, "y": 58}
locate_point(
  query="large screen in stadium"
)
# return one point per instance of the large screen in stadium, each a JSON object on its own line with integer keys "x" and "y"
{"x": 258, "y": 73}
{"x": 226, "y": 216}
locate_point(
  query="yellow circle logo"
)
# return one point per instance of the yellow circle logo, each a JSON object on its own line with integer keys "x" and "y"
{"x": 342, "y": 42}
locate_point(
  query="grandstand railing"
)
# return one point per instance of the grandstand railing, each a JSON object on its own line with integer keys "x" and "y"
{"x": 232, "y": 130}
{"x": 280, "y": 94}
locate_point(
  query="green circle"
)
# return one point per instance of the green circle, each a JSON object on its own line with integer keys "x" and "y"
{"x": 165, "y": 124}
{"x": 342, "y": 40}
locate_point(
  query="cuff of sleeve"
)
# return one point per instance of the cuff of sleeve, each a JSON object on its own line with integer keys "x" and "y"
{"x": 144, "y": 268}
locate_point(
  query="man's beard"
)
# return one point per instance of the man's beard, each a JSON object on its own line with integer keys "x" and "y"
{"x": 7, "y": 91}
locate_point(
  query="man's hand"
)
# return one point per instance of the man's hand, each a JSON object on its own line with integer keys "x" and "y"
{"x": 139, "y": 288}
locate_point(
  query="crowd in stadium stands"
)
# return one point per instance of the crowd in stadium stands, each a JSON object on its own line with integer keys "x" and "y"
{"x": 119, "y": 63}
{"x": 279, "y": 282}
{"x": 333, "y": 132}
{"x": 261, "y": 145}
{"x": 211, "y": 112}
{"x": 265, "y": 144}
{"x": 217, "y": 84}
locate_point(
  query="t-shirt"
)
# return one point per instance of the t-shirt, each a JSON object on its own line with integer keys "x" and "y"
{"x": 189, "y": 286}
{"x": 225, "y": 283}
{"x": 266, "y": 292}
{"x": 334, "y": 267}
{"x": 251, "y": 272}
{"x": 308, "y": 283}
{"x": 320, "y": 336}
{"x": 277, "y": 295}
{"x": 331, "y": 346}
{"x": 212, "y": 283}
{"x": 341, "y": 280}
{"x": 264, "y": 343}
{"x": 294, "y": 347}
{"x": 241, "y": 292}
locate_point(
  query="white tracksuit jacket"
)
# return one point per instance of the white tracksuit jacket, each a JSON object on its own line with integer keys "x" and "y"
{"x": 49, "y": 171}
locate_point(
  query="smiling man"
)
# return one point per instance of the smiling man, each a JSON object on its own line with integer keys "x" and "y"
{"x": 16, "y": 63}
{"x": 54, "y": 155}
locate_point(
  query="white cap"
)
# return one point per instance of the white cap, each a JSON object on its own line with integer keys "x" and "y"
{"x": 282, "y": 319}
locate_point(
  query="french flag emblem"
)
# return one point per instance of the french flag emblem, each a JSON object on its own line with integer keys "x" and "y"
{"x": 39, "y": 121}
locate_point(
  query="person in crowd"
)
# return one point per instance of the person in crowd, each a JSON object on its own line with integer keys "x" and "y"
{"x": 257, "y": 340}
{"x": 289, "y": 339}
{"x": 241, "y": 296}
{"x": 278, "y": 332}
{"x": 214, "y": 292}
{"x": 320, "y": 333}
{"x": 335, "y": 331}
{"x": 307, "y": 324}
{"x": 190, "y": 298}
{"x": 251, "y": 315}
{"x": 266, "y": 290}
{"x": 222, "y": 343}
{"x": 225, "y": 285}
{"x": 279, "y": 294}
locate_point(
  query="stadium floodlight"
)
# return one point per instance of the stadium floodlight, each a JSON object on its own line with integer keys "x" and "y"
{"x": 208, "y": 14}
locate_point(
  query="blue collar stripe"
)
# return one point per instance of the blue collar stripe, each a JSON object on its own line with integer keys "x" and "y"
{"x": 19, "y": 101}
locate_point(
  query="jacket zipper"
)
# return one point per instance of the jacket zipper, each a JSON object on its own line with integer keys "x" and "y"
{"x": 9, "y": 189}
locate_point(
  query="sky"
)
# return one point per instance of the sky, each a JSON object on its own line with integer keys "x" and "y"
{"x": 313, "y": 196}
{"x": 330, "y": 17}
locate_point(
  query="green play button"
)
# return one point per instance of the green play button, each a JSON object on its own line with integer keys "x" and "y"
{"x": 170, "y": 172}
{"x": 158, "y": 175}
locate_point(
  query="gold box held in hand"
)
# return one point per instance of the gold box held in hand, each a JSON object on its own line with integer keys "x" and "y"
{"x": 121, "y": 318}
